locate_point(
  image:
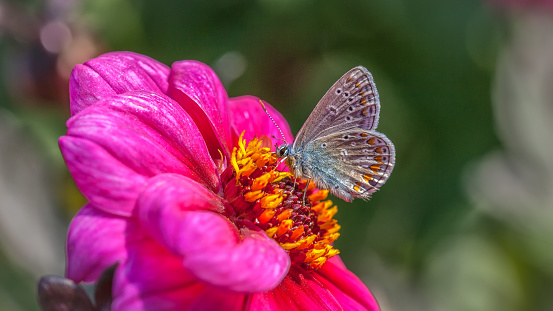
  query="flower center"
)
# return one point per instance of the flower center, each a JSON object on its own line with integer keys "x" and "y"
{"x": 273, "y": 201}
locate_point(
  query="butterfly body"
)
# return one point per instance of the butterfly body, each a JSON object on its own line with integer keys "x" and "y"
{"x": 338, "y": 148}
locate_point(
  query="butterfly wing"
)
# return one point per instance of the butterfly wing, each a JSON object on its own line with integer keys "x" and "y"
{"x": 338, "y": 147}
{"x": 351, "y": 164}
{"x": 352, "y": 102}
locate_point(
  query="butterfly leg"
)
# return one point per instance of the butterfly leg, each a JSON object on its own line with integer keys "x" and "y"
{"x": 305, "y": 191}
{"x": 295, "y": 178}
{"x": 280, "y": 162}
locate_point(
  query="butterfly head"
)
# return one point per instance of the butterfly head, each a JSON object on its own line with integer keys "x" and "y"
{"x": 283, "y": 151}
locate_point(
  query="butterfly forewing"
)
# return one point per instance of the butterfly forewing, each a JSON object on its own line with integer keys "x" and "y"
{"x": 352, "y": 102}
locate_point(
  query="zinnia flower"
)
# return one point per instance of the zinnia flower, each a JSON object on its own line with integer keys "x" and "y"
{"x": 185, "y": 195}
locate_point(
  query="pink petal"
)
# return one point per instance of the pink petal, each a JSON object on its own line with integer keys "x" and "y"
{"x": 337, "y": 261}
{"x": 350, "y": 292}
{"x": 210, "y": 246}
{"x": 152, "y": 276}
{"x": 115, "y": 73}
{"x": 103, "y": 179}
{"x": 154, "y": 279}
{"x": 128, "y": 138}
{"x": 95, "y": 241}
{"x": 247, "y": 114}
{"x": 298, "y": 291}
{"x": 200, "y": 92}
{"x": 168, "y": 189}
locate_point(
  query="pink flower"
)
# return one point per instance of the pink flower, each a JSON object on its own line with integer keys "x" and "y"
{"x": 196, "y": 217}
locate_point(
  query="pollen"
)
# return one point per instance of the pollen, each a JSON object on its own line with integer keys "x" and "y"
{"x": 274, "y": 201}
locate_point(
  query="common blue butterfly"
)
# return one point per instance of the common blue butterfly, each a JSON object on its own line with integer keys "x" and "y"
{"x": 337, "y": 147}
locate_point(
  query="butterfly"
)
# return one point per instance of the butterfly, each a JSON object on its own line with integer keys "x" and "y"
{"x": 337, "y": 147}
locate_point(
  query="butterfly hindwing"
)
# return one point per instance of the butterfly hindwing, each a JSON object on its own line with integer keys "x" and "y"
{"x": 357, "y": 162}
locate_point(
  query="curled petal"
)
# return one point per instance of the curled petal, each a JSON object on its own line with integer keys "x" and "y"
{"x": 200, "y": 92}
{"x": 170, "y": 189}
{"x": 350, "y": 292}
{"x": 248, "y": 115}
{"x": 103, "y": 179}
{"x": 95, "y": 241}
{"x": 298, "y": 291}
{"x": 115, "y": 73}
{"x": 155, "y": 279}
{"x": 210, "y": 246}
{"x": 129, "y": 138}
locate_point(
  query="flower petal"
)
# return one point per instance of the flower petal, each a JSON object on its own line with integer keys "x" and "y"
{"x": 115, "y": 73}
{"x": 129, "y": 138}
{"x": 95, "y": 241}
{"x": 152, "y": 272}
{"x": 248, "y": 115}
{"x": 350, "y": 292}
{"x": 103, "y": 179}
{"x": 298, "y": 291}
{"x": 210, "y": 246}
{"x": 154, "y": 279}
{"x": 200, "y": 92}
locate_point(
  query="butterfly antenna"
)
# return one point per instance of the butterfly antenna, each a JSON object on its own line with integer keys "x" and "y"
{"x": 274, "y": 122}
{"x": 273, "y": 136}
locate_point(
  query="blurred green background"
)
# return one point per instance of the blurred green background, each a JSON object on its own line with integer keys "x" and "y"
{"x": 465, "y": 221}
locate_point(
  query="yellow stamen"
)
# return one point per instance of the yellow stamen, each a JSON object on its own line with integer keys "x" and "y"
{"x": 306, "y": 242}
{"x": 247, "y": 169}
{"x": 261, "y": 181}
{"x": 283, "y": 175}
{"x": 319, "y": 195}
{"x": 297, "y": 233}
{"x": 241, "y": 143}
{"x": 266, "y": 216}
{"x": 334, "y": 229}
{"x": 253, "y": 196}
{"x": 284, "y": 227}
{"x": 329, "y": 224}
{"x": 327, "y": 214}
{"x": 271, "y": 231}
{"x": 285, "y": 214}
{"x": 288, "y": 246}
{"x": 271, "y": 200}
{"x": 234, "y": 163}
{"x": 322, "y": 206}
{"x": 332, "y": 252}
{"x": 330, "y": 238}
{"x": 317, "y": 263}
{"x": 314, "y": 254}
